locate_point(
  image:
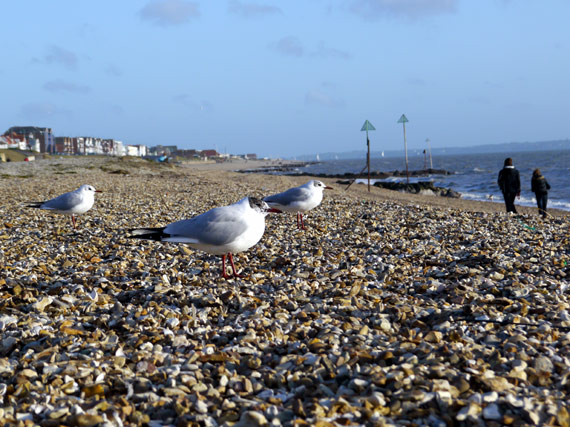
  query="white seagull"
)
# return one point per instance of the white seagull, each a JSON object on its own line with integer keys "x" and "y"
{"x": 221, "y": 231}
{"x": 299, "y": 199}
{"x": 73, "y": 203}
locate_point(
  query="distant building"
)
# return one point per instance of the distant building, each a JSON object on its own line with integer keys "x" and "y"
{"x": 90, "y": 145}
{"x": 163, "y": 150}
{"x": 65, "y": 145}
{"x": 251, "y": 156}
{"x": 187, "y": 154}
{"x": 42, "y": 140}
{"x": 136, "y": 150}
{"x": 209, "y": 153}
{"x": 36, "y": 135}
{"x": 112, "y": 147}
{"x": 14, "y": 141}
{"x": 81, "y": 144}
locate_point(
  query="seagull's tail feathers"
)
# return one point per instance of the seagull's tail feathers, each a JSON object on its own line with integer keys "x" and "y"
{"x": 33, "y": 204}
{"x": 156, "y": 234}
{"x": 271, "y": 202}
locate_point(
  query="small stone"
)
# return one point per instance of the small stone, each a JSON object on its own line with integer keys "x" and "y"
{"x": 42, "y": 304}
{"x": 543, "y": 364}
{"x": 201, "y": 406}
{"x": 497, "y": 276}
{"x": 88, "y": 420}
{"x": 490, "y": 397}
{"x": 251, "y": 419}
{"x": 471, "y": 410}
{"x": 492, "y": 412}
{"x": 434, "y": 336}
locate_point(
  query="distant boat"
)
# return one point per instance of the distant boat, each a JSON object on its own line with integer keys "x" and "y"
{"x": 318, "y": 158}
{"x": 382, "y": 154}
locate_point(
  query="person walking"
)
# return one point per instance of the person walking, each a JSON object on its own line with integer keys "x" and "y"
{"x": 510, "y": 184}
{"x": 540, "y": 186}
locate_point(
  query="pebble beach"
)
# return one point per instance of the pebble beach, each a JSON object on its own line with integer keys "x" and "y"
{"x": 390, "y": 309}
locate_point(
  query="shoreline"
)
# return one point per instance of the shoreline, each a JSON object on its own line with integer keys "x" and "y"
{"x": 489, "y": 206}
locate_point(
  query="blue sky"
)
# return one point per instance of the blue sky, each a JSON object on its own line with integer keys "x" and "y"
{"x": 287, "y": 78}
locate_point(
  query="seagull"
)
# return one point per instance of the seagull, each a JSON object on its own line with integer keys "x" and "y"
{"x": 299, "y": 199}
{"x": 75, "y": 202}
{"x": 224, "y": 230}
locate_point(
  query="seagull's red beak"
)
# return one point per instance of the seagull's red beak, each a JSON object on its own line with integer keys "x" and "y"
{"x": 98, "y": 191}
{"x": 328, "y": 188}
{"x": 274, "y": 210}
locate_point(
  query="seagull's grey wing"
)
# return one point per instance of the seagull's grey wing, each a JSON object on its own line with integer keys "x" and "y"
{"x": 64, "y": 202}
{"x": 293, "y": 195}
{"x": 217, "y": 227}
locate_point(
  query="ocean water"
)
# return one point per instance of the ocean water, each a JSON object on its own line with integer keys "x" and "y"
{"x": 473, "y": 175}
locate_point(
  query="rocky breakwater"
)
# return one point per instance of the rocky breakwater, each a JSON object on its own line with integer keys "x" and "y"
{"x": 422, "y": 187}
{"x": 380, "y": 313}
{"x": 278, "y": 168}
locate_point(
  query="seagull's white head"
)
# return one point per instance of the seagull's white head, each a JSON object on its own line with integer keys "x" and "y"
{"x": 315, "y": 184}
{"x": 88, "y": 189}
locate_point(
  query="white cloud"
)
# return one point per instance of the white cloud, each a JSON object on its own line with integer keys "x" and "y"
{"x": 371, "y": 9}
{"x": 187, "y": 101}
{"x": 60, "y": 56}
{"x": 63, "y": 86}
{"x": 165, "y": 13}
{"x": 317, "y": 97}
{"x": 416, "y": 81}
{"x": 290, "y": 46}
{"x": 328, "y": 52}
{"x": 252, "y": 10}
{"x": 113, "y": 70}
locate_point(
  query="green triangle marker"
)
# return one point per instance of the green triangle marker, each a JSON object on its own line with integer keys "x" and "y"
{"x": 403, "y": 119}
{"x": 367, "y": 126}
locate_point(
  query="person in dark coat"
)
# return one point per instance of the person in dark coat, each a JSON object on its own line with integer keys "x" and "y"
{"x": 510, "y": 184}
{"x": 540, "y": 187}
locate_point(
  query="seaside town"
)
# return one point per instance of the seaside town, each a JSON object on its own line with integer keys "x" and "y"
{"x": 42, "y": 140}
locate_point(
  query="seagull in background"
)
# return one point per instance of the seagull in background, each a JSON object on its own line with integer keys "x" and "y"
{"x": 73, "y": 203}
{"x": 224, "y": 230}
{"x": 299, "y": 199}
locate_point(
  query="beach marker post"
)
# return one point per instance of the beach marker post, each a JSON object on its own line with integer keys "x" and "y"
{"x": 367, "y": 126}
{"x": 429, "y": 151}
{"x": 403, "y": 120}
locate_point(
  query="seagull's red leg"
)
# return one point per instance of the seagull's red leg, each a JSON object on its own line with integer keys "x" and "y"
{"x": 224, "y": 267}
{"x": 233, "y": 266}
{"x": 73, "y": 221}
{"x": 298, "y": 223}
{"x": 302, "y": 223}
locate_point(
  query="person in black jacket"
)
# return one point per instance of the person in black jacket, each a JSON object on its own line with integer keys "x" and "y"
{"x": 510, "y": 184}
{"x": 540, "y": 187}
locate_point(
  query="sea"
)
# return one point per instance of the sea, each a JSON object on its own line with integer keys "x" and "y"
{"x": 472, "y": 175}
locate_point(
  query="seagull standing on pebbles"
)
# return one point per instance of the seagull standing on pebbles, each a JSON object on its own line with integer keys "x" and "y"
{"x": 221, "y": 231}
{"x": 299, "y": 199}
{"x": 73, "y": 203}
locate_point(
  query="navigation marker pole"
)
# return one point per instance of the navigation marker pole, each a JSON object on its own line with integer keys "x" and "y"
{"x": 429, "y": 151}
{"x": 403, "y": 120}
{"x": 368, "y": 126}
